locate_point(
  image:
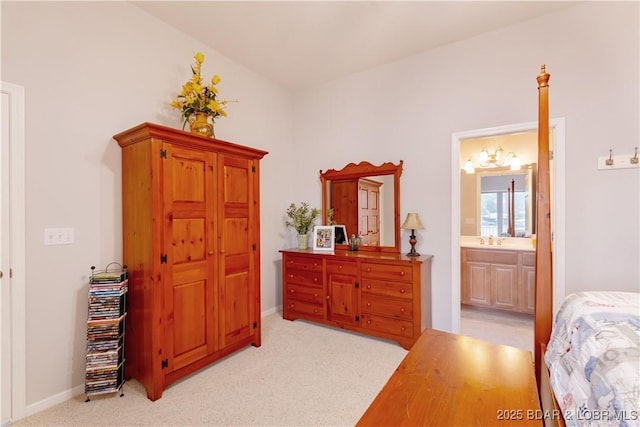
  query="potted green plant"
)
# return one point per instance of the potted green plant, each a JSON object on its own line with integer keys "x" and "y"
{"x": 301, "y": 218}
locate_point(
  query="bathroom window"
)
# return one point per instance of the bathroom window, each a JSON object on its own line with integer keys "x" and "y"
{"x": 494, "y": 213}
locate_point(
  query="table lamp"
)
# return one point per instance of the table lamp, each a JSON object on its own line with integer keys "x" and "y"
{"x": 412, "y": 222}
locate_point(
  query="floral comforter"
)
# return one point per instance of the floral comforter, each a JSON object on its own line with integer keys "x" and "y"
{"x": 594, "y": 359}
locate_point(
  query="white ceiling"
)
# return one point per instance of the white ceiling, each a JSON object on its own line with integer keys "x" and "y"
{"x": 299, "y": 44}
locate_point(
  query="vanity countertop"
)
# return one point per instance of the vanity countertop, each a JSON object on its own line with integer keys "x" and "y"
{"x": 506, "y": 243}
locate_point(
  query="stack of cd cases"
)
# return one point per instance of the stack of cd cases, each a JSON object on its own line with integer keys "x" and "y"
{"x": 107, "y": 311}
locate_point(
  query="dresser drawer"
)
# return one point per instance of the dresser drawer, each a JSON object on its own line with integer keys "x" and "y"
{"x": 304, "y": 277}
{"x": 387, "y": 288}
{"x": 303, "y": 263}
{"x": 342, "y": 267}
{"x": 305, "y": 309}
{"x": 402, "y": 309}
{"x": 388, "y": 325}
{"x": 304, "y": 293}
{"x": 387, "y": 271}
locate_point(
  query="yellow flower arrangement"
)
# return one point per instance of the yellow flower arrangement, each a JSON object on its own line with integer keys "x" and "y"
{"x": 196, "y": 97}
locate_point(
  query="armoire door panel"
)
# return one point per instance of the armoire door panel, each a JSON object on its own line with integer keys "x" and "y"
{"x": 236, "y": 182}
{"x": 237, "y": 243}
{"x": 235, "y": 300}
{"x": 189, "y": 240}
{"x": 189, "y": 177}
{"x": 189, "y": 326}
{"x": 236, "y": 236}
{"x": 190, "y": 316}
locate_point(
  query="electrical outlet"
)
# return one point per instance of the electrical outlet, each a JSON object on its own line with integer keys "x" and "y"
{"x": 59, "y": 236}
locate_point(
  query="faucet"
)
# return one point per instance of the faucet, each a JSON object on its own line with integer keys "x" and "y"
{"x": 491, "y": 240}
{"x": 481, "y": 241}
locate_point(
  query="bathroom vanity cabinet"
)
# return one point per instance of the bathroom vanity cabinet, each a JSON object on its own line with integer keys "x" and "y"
{"x": 498, "y": 278}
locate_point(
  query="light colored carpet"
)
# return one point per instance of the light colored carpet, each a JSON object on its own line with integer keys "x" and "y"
{"x": 303, "y": 375}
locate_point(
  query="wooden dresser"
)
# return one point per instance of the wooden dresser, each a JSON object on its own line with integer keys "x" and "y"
{"x": 455, "y": 380}
{"x": 380, "y": 294}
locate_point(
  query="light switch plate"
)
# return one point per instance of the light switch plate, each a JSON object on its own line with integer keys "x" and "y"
{"x": 59, "y": 236}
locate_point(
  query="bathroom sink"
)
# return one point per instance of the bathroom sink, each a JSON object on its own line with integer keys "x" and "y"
{"x": 507, "y": 243}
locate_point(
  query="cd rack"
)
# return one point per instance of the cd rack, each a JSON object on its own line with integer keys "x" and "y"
{"x": 107, "y": 311}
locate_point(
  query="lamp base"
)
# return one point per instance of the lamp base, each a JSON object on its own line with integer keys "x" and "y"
{"x": 412, "y": 242}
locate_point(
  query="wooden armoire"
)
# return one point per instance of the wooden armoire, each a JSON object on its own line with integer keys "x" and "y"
{"x": 191, "y": 242}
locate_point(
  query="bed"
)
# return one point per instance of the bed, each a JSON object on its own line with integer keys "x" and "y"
{"x": 593, "y": 358}
{"x": 587, "y": 358}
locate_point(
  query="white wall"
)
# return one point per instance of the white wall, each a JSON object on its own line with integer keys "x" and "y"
{"x": 91, "y": 70}
{"x": 409, "y": 109}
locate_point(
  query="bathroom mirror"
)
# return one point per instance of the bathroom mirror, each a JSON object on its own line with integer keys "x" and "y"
{"x": 489, "y": 197}
{"x": 366, "y": 200}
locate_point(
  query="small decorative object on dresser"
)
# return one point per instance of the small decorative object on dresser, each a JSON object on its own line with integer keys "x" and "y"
{"x": 301, "y": 219}
{"x": 198, "y": 102}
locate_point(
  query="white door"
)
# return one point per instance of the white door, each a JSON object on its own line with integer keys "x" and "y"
{"x": 12, "y": 255}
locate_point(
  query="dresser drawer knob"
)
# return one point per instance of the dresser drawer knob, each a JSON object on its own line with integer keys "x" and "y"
{"x": 315, "y": 295}
{"x": 402, "y": 273}
{"x": 340, "y": 267}
{"x": 368, "y": 286}
{"x": 292, "y": 291}
{"x": 315, "y": 310}
{"x": 403, "y": 329}
{"x": 315, "y": 279}
{"x": 368, "y": 269}
{"x": 368, "y": 322}
{"x": 402, "y": 291}
{"x": 368, "y": 304}
{"x": 401, "y": 309}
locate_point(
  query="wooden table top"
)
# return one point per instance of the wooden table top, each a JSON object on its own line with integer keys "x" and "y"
{"x": 455, "y": 380}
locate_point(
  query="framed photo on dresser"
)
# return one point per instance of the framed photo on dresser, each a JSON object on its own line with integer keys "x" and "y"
{"x": 341, "y": 235}
{"x": 323, "y": 237}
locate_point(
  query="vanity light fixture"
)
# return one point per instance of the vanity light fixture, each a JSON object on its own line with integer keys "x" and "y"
{"x": 498, "y": 158}
{"x": 413, "y": 223}
{"x": 468, "y": 166}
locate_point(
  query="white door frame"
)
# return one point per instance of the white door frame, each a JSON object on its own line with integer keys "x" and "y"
{"x": 557, "y": 203}
{"x": 14, "y": 274}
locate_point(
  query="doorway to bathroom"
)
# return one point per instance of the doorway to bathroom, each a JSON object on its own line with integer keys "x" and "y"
{"x": 493, "y": 146}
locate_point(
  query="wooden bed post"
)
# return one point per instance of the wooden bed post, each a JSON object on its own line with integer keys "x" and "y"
{"x": 544, "y": 288}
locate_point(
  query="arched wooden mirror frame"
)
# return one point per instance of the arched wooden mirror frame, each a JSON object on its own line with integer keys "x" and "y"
{"x": 361, "y": 170}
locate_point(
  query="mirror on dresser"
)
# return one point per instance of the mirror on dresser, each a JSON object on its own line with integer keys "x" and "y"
{"x": 366, "y": 200}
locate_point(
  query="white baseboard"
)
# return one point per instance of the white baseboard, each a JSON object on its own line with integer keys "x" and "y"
{"x": 54, "y": 400}
{"x": 271, "y": 311}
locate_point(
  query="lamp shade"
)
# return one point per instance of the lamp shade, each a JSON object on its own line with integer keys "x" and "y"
{"x": 412, "y": 222}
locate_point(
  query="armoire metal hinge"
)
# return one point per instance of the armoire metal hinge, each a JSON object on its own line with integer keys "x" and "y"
{"x": 163, "y": 153}
{"x": 253, "y": 168}
{"x": 255, "y": 325}
{"x": 163, "y": 259}
{"x": 254, "y": 246}
{"x": 165, "y": 363}
{"x": 357, "y": 318}
{"x": 357, "y": 285}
